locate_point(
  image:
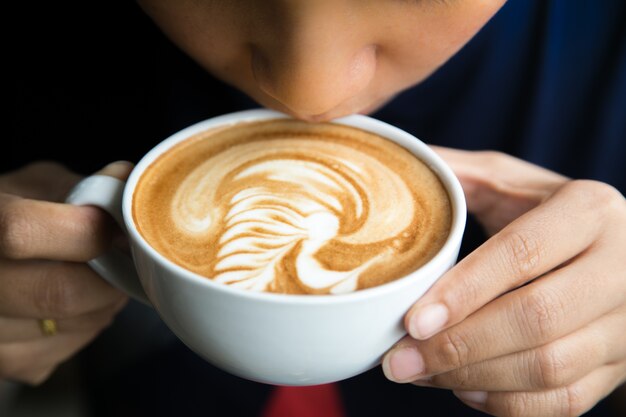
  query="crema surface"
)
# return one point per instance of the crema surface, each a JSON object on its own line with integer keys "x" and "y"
{"x": 291, "y": 207}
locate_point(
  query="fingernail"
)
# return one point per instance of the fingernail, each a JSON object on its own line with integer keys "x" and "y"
{"x": 403, "y": 364}
{"x": 428, "y": 321}
{"x": 476, "y": 397}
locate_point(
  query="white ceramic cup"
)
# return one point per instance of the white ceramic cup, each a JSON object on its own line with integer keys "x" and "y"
{"x": 272, "y": 338}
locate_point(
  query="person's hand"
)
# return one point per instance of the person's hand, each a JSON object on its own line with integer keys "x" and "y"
{"x": 532, "y": 323}
{"x": 43, "y": 276}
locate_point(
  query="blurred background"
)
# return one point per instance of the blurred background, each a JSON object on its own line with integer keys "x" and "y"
{"x": 60, "y": 396}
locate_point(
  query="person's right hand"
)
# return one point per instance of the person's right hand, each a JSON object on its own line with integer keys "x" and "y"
{"x": 44, "y": 245}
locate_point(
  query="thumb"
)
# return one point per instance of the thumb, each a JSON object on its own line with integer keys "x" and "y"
{"x": 119, "y": 169}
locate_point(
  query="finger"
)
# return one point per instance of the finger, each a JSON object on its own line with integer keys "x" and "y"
{"x": 30, "y": 361}
{"x": 33, "y": 229}
{"x": 51, "y": 181}
{"x": 556, "y": 364}
{"x": 14, "y": 330}
{"x": 498, "y": 184}
{"x": 119, "y": 169}
{"x": 573, "y": 400}
{"x": 58, "y": 290}
{"x": 531, "y": 316}
{"x": 48, "y": 181}
{"x": 532, "y": 245}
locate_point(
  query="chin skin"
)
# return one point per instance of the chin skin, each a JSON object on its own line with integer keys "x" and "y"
{"x": 373, "y": 108}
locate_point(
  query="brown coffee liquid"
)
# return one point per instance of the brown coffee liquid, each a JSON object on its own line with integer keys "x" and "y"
{"x": 292, "y": 207}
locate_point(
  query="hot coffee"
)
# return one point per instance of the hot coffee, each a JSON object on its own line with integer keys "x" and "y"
{"x": 292, "y": 207}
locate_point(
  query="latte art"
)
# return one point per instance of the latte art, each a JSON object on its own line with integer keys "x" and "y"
{"x": 268, "y": 205}
{"x": 285, "y": 206}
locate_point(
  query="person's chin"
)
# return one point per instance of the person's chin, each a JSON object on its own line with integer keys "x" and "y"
{"x": 342, "y": 110}
{"x": 375, "y": 107}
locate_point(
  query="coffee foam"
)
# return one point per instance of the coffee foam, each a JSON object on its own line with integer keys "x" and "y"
{"x": 287, "y": 206}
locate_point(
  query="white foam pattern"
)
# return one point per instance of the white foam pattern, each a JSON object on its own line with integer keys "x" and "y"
{"x": 270, "y": 203}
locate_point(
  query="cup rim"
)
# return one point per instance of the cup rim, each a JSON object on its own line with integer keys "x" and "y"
{"x": 402, "y": 138}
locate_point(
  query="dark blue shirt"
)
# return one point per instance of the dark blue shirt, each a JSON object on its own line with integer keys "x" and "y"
{"x": 544, "y": 80}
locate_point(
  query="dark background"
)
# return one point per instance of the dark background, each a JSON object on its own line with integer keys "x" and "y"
{"x": 93, "y": 82}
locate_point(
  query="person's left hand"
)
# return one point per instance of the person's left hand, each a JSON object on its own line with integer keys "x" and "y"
{"x": 532, "y": 323}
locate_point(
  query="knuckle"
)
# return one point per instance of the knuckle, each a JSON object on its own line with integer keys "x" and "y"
{"x": 15, "y": 230}
{"x": 599, "y": 197}
{"x": 516, "y": 405}
{"x": 493, "y": 159}
{"x": 564, "y": 402}
{"x": 454, "y": 351}
{"x": 460, "y": 297}
{"x": 574, "y": 400}
{"x": 551, "y": 368}
{"x": 522, "y": 253}
{"x": 460, "y": 378}
{"x": 493, "y": 162}
{"x": 56, "y": 295}
{"x": 541, "y": 313}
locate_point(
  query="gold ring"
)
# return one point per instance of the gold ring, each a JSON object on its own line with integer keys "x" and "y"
{"x": 48, "y": 327}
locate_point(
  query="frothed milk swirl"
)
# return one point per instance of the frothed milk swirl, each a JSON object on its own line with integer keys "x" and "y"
{"x": 291, "y": 207}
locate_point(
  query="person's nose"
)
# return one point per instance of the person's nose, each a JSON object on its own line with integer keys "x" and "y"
{"x": 315, "y": 67}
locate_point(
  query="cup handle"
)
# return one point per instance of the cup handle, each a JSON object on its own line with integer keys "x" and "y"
{"x": 115, "y": 266}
